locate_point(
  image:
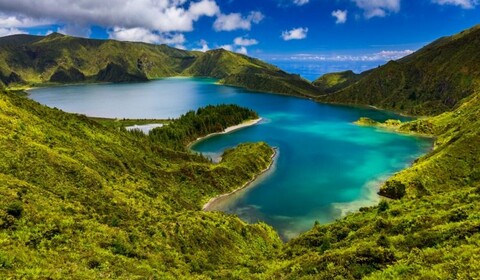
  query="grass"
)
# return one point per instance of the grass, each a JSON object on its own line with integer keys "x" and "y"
{"x": 428, "y": 82}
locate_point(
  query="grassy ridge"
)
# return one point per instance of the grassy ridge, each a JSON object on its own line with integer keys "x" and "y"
{"x": 35, "y": 60}
{"x": 332, "y": 82}
{"x": 428, "y": 82}
{"x": 90, "y": 202}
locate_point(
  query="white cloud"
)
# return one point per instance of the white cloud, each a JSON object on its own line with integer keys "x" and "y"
{"x": 146, "y": 36}
{"x": 295, "y": 34}
{"x": 10, "y": 31}
{"x": 235, "y": 21}
{"x": 239, "y": 45}
{"x": 226, "y": 47}
{"x": 384, "y": 55}
{"x": 245, "y": 42}
{"x": 158, "y": 15}
{"x": 300, "y": 2}
{"x": 204, "y": 46}
{"x": 465, "y": 4}
{"x": 340, "y": 15}
{"x": 378, "y": 8}
{"x": 203, "y": 8}
{"x": 242, "y": 50}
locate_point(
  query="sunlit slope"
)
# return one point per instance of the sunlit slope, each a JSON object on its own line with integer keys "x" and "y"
{"x": 84, "y": 201}
{"x": 61, "y": 59}
{"x": 333, "y": 82}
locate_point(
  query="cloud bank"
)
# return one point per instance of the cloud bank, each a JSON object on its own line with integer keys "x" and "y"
{"x": 150, "y": 21}
{"x": 384, "y": 55}
{"x": 159, "y": 15}
{"x": 465, "y": 4}
{"x": 144, "y": 35}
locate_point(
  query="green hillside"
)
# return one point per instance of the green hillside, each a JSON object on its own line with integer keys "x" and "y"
{"x": 27, "y": 60}
{"x": 86, "y": 201}
{"x": 246, "y": 72}
{"x": 428, "y": 82}
{"x": 36, "y": 59}
{"x": 333, "y": 82}
{"x": 82, "y": 201}
{"x": 221, "y": 63}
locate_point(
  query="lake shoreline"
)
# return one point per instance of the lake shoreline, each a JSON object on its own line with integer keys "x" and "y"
{"x": 207, "y": 206}
{"x": 225, "y": 131}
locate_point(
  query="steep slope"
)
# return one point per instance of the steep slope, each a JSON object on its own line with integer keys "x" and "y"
{"x": 428, "y": 82}
{"x": 253, "y": 74}
{"x": 36, "y": 58}
{"x": 431, "y": 231}
{"x": 81, "y": 201}
{"x": 56, "y": 58}
{"x": 333, "y": 82}
{"x": 220, "y": 63}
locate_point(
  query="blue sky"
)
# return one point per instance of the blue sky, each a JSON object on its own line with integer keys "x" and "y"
{"x": 299, "y": 31}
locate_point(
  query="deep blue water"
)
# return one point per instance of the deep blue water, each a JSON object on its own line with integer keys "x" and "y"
{"x": 325, "y": 167}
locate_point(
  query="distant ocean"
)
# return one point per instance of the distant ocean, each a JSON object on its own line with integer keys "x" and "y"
{"x": 311, "y": 70}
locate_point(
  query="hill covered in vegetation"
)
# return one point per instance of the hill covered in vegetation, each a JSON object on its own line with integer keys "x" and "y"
{"x": 253, "y": 74}
{"x": 82, "y": 200}
{"x": 86, "y": 201}
{"x": 333, "y": 82}
{"x": 60, "y": 59}
{"x": 430, "y": 81}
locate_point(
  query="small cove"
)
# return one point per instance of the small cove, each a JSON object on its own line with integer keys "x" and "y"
{"x": 326, "y": 166}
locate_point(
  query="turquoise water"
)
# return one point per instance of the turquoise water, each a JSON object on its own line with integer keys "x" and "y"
{"x": 325, "y": 167}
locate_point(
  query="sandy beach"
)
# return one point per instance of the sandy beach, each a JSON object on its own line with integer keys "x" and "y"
{"x": 227, "y": 130}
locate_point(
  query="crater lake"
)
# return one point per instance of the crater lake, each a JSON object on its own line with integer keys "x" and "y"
{"x": 325, "y": 167}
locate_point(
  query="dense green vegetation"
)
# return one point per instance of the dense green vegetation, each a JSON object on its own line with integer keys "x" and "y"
{"x": 253, "y": 74}
{"x": 428, "y": 82}
{"x": 332, "y": 82}
{"x": 204, "y": 121}
{"x": 27, "y": 60}
{"x": 84, "y": 200}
